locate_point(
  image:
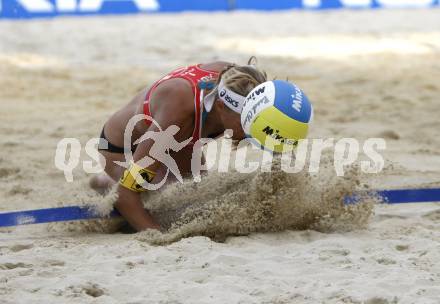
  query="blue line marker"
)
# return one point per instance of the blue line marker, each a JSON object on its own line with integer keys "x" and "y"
{"x": 401, "y": 196}
{"x": 61, "y": 214}
{"x": 76, "y": 213}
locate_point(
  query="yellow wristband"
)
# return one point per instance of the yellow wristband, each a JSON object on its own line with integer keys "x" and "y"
{"x": 135, "y": 176}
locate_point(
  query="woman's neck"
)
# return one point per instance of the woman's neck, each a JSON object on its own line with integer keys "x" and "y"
{"x": 213, "y": 125}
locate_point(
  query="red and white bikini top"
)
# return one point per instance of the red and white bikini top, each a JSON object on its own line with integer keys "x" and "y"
{"x": 194, "y": 74}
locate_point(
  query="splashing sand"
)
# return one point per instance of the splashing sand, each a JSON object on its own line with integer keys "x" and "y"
{"x": 259, "y": 202}
{"x": 230, "y": 204}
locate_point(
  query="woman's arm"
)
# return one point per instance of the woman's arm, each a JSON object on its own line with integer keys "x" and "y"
{"x": 171, "y": 104}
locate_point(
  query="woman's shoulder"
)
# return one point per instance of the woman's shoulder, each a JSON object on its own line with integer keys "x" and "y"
{"x": 176, "y": 93}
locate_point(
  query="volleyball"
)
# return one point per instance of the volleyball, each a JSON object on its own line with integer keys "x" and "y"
{"x": 276, "y": 115}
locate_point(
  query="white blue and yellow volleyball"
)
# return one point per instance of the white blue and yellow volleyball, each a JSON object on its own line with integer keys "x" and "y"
{"x": 276, "y": 115}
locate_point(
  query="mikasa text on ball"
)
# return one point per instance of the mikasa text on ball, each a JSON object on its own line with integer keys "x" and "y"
{"x": 276, "y": 115}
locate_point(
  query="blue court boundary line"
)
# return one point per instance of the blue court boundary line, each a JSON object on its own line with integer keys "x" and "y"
{"x": 50, "y": 215}
{"x": 76, "y": 213}
{"x": 400, "y": 196}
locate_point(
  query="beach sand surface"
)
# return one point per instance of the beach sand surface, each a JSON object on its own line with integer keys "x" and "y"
{"x": 264, "y": 237}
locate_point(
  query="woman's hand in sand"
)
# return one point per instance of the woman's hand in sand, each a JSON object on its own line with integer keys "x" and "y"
{"x": 130, "y": 206}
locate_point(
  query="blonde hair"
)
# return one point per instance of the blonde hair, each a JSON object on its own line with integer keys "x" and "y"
{"x": 243, "y": 79}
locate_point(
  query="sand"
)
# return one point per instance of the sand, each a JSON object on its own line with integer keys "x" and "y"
{"x": 259, "y": 238}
